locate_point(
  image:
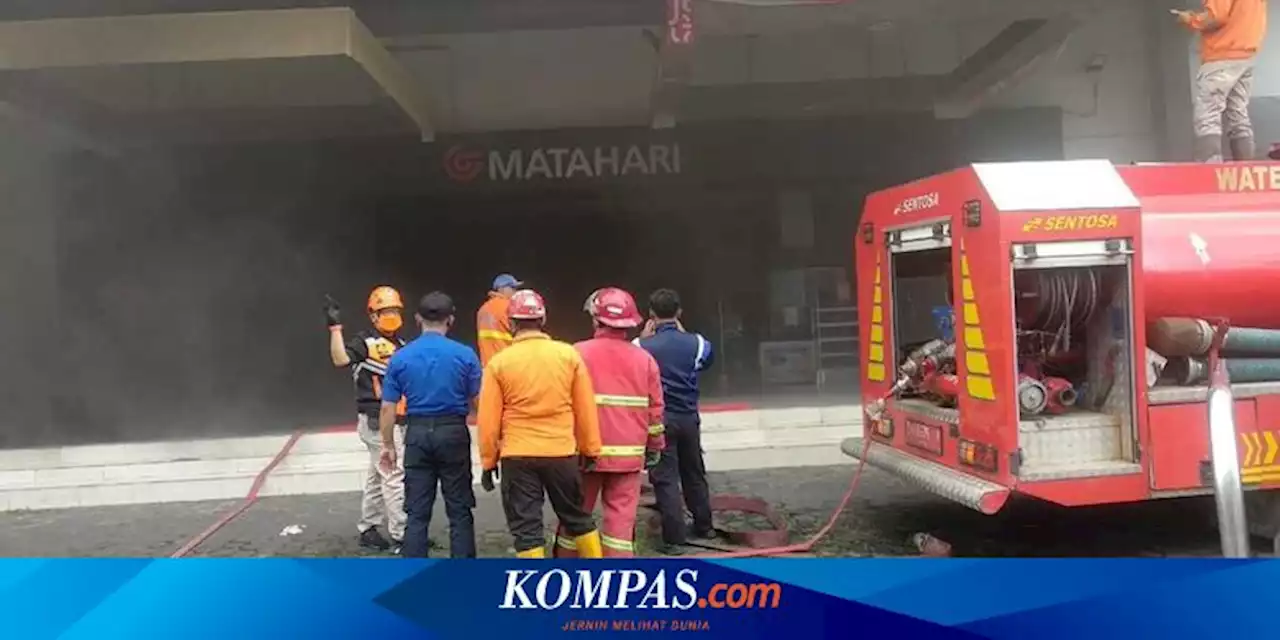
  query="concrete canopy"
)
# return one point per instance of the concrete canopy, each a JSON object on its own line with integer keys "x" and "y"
{"x": 206, "y": 77}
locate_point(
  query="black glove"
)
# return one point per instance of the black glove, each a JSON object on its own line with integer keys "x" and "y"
{"x": 588, "y": 464}
{"x": 487, "y": 478}
{"x": 332, "y": 311}
{"x": 651, "y": 458}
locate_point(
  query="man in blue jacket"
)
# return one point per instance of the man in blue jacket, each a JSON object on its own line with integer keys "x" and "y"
{"x": 438, "y": 379}
{"x": 681, "y": 357}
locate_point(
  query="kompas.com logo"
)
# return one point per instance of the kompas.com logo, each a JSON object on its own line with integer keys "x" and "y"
{"x": 631, "y": 588}
{"x": 463, "y": 164}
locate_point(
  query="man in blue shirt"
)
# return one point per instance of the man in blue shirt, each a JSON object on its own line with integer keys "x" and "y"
{"x": 681, "y": 357}
{"x": 439, "y": 380}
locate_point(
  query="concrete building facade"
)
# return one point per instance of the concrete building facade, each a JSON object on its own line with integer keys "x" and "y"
{"x": 186, "y": 180}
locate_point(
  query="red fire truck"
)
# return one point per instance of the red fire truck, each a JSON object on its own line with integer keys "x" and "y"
{"x": 1079, "y": 332}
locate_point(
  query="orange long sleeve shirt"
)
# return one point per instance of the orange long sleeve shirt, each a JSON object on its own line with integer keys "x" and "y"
{"x": 493, "y": 327}
{"x": 1230, "y": 29}
{"x": 536, "y": 401}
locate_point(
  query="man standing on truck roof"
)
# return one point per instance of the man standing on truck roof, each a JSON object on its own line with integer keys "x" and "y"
{"x": 438, "y": 380}
{"x": 681, "y": 356}
{"x": 493, "y": 327}
{"x": 537, "y": 414}
{"x": 367, "y": 353}
{"x": 1231, "y": 32}
{"x": 628, "y": 394}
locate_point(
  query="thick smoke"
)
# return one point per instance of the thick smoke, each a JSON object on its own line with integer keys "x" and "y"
{"x": 178, "y": 294}
{"x": 185, "y": 301}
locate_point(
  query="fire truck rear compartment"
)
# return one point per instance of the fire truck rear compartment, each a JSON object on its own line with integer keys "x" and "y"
{"x": 1074, "y": 328}
{"x": 1073, "y": 322}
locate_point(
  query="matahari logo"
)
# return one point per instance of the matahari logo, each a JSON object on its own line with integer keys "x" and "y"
{"x": 462, "y": 164}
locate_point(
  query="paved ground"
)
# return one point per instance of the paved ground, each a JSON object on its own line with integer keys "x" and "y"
{"x": 879, "y": 521}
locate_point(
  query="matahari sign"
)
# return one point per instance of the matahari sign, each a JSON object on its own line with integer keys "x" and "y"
{"x": 465, "y": 164}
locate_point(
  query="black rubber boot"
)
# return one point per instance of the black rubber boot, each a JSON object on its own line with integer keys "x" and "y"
{"x": 1208, "y": 149}
{"x": 1242, "y": 149}
{"x": 672, "y": 549}
{"x": 372, "y": 539}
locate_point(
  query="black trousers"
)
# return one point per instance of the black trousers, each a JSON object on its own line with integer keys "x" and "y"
{"x": 438, "y": 451}
{"x": 525, "y": 481}
{"x": 682, "y": 474}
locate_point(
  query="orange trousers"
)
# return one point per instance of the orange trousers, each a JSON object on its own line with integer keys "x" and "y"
{"x": 619, "y": 494}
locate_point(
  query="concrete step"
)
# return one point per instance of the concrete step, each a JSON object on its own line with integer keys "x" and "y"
{"x": 337, "y": 462}
{"x": 267, "y": 446}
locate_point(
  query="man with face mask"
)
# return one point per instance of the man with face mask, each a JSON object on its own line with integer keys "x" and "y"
{"x": 368, "y": 353}
{"x": 438, "y": 380}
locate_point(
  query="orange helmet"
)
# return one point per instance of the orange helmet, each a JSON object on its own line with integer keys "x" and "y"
{"x": 613, "y": 307}
{"x": 384, "y": 297}
{"x": 526, "y": 304}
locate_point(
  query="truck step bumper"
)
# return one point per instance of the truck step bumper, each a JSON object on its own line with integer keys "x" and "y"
{"x": 970, "y": 491}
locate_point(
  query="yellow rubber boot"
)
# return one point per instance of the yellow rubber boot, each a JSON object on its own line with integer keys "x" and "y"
{"x": 534, "y": 553}
{"x": 563, "y": 546}
{"x": 589, "y": 545}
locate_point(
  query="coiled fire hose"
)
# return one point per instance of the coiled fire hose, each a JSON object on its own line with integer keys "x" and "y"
{"x": 807, "y": 545}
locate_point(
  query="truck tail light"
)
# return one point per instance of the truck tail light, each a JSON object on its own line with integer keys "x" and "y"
{"x": 868, "y": 233}
{"x": 973, "y": 213}
{"x": 882, "y": 428}
{"x": 978, "y": 456}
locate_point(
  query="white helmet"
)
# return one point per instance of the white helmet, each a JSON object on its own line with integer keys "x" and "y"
{"x": 589, "y": 305}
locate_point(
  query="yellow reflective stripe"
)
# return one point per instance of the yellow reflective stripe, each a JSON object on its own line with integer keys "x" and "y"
{"x": 620, "y": 452}
{"x": 566, "y": 543}
{"x": 657, "y": 429}
{"x": 494, "y": 335}
{"x": 617, "y": 544}
{"x": 606, "y": 400}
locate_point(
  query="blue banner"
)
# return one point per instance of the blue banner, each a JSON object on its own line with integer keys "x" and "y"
{"x": 495, "y": 599}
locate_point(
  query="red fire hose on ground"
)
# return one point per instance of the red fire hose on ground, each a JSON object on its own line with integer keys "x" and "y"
{"x": 773, "y": 542}
{"x": 770, "y": 542}
{"x": 244, "y": 505}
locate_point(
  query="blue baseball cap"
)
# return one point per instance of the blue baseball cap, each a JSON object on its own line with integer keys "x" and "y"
{"x": 505, "y": 280}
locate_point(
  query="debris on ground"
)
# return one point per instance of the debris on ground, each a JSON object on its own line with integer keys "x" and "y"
{"x": 930, "y": 546}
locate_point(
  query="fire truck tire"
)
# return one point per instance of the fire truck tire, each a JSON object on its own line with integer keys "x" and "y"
{"x": 1262, "y": 508}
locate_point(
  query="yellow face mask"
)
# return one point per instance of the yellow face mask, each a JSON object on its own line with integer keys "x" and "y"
{"x": 388, "y": 321}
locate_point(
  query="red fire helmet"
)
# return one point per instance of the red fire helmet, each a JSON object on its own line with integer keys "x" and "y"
{"x": 526, "y": 304}
{"x": 613, "y": 307}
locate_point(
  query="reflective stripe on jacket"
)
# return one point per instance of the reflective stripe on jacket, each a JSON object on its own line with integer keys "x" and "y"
{"x": 628, "y": 390}
{"x": 493, "y": 328}
{"x": 536, "y": 401}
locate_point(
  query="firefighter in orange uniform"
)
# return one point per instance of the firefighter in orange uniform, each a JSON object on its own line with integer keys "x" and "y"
{"x": 367, "y": 353}
{"x": 628, "y": 390}
{"x": 493, "y": 327}
{"x": 537, "y": 415}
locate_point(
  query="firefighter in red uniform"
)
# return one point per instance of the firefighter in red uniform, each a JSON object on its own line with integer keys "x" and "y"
{"x": 628, "y": 392}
